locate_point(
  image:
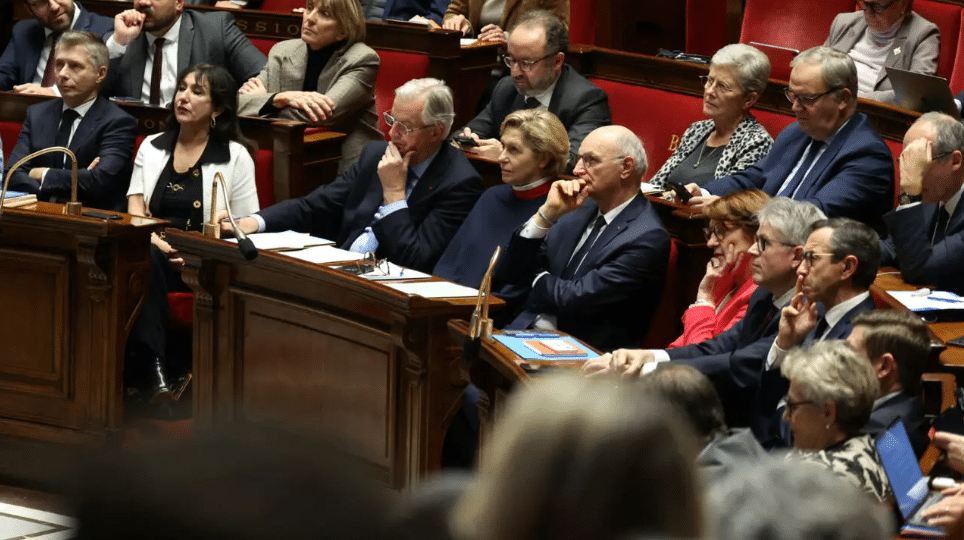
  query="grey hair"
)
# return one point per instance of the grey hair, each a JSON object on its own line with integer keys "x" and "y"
{"x": 833, "y": 372}
{"x": 752, "y": 66}
{"x": 777, "y": 499}
{"x": 838, "y": 68}
{"x": 439, "y": 104}
{"x": 90, "y": 41}
{"x": 948, "y": 133}
{"x": 791, "y": 219}
{"x": 628, "y": 144}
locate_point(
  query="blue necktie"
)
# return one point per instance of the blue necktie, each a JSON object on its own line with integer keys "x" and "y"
{"x": 802, "y": 170}
{"x": 583, "y": 250}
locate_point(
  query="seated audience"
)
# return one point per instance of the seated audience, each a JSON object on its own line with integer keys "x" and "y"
{"x": 27, "y": 66}
{"x": 98, "y": 132}
{"x": 926, "y": 238}
{"x": 885, "y": 34}
{"x": 540, "y": 78}
{"x": 173, "y": 172}
{"x": 595, "y": 253}
{"x": 832, "y": 391}
{"x": 725, "y": 290}
{"x": 897, "y": 344}
{"x": 404, "y": 10}
{"x": 731, "y": 140}
{"x": 403, "y": 200}
{"x": 157, "y": 40}
{"x": 574, "y": 458}
{"x": 781, "y": 500}
{"x": 488, "y": 19}
{"x": 831, "y": 156}
{"x": 536, "y": 151}
{"x": 692, "y": 392}
{"x": 326, "y": 78}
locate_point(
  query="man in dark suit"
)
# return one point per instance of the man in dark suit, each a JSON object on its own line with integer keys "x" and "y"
{"x": 157, "y": 40}
{"x": 540, "y": 77}
{"x": 99, "y": 133}
{"x": 831, "y": 156}
{"x": 896, "y": 342}
{"x": 24, "y": 64}
{"x": 596, "y": 248}
{"x": 927, "y": 229}
{"x": 404, "y": 199}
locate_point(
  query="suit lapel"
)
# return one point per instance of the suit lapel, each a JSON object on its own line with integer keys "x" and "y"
{"x": 565, "y": 236}
{"x": 812, "y": 180}
{"x": 557, "y": 91}
{"x": 293, "y": 74}
{"x": 431, "y": 179}
{"x": 896, "y": 49}
{"x": 87, "y": 125}
{"x": 185, "y": 42}
{"x": 617, "y": 227}
{"x": 786, "y": 165}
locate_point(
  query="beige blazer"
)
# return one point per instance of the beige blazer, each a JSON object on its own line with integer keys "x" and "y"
{"x": 348, "y": 79}
{"x": 472, "y": 10}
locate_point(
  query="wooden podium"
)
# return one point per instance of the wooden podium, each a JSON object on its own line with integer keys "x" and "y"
{"x": 312, "y": 349}
{"x": 70, "y": 288}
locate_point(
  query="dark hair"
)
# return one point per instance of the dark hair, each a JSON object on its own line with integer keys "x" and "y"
{"x": 901, "y": 334}
{"x": 852, "y": 237}
{"x": 685, "y": 387}
{"x": 557, "y": 36}
{"x": 224, "y": 97}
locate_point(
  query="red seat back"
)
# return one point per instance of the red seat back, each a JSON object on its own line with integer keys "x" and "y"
{"x": 665, "y": 325}
{"x": 798, "y": 24}
{"x": 705, "y": 26}
{"x": 396, "y": 69}
{"x": 582, "y": 22}
{"x": 957, "y": 72}
{"x": 896, "y": 148}
{"x": 9, "y": 133}
{"x": 263, "y": 45}
{"x": 282, "y": 6}
{"x": 947, "y": 17}
{"x": 264, "y": 177}
{"x": 773, "y": 122}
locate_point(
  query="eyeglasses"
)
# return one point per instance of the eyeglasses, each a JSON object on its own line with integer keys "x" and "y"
{"x": 589, "y": 161}
{"x": 718, "y": 230}
{"x": 368, "y": 266}
{"x": 792, "y": 406}
{"x": 525, "y": 65}
{"x": 710, "y": 82}
{"x": 807, "y": 101}
{"x": 402, "y": 128}
{"x": 876, "y": 7}
{"x": 762, "y": 242}
{"x": 810, "y": 255}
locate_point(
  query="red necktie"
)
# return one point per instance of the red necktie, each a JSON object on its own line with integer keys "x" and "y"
{"x": 50, "y": 71}
{"x": 156, "y": 72}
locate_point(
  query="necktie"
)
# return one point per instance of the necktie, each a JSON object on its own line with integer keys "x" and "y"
{"x": 63, "y": 134}
{"x": 821, "y": 329}
{"x": 50, "y": 70}
{"x": 940, "y": 229}
{"x": 532, "y": 103}
{"x": 156, "y": 72}
{"x": 367, "y": 241}
{"x": 583, "y": 250}
{"x": 798, "y": 178}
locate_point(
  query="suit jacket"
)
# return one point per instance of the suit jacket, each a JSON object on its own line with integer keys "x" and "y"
{"x": 915, "y": 48}
{"x": 403, "y": 10}
{"x": 909, "y": 246}
{"x": 210, "y": 37}
{"x": 414, "y": 237}
{"x": 728, "y": 452}
{"x": 348, "y": 79}
{"x": 106, "y": 131}
{"x": 18, "y": 64}
{"x": 609, "y": 301}
{"x": 908, "y": 408}
{"x": 854, "y": 177}
{"x": 472, "y": 10}
{"x": 580, "y": 105}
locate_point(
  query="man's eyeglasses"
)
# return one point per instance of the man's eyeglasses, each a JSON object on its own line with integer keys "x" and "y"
{"x": 876, "y": 7}
{"x": 401, "y": 127}
{"x": 762, "y": 242}
{"x": 524, "y": 65}
{"x": 589, "y": 160}
{"x": 709, "y": 82}
{"x": 368, "y": 265}
{"x": 810, "y": 255}
{"x": 792, "y": 406}
{"x": 807, "y": 101}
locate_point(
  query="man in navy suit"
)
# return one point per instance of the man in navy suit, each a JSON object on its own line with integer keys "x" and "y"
{"x": 23, "y": 66}
{"x": 99, "y": 133}
{"x": 540, "y": 77}
{"x": 162, "y": 31}
{"x": 595, "y": 252}
{"x": 927, "y": 229}
{"x": 404, "y": 199}
{"x": 831, "y": 156}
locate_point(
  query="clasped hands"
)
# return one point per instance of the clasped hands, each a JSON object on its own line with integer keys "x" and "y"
{"x": 317, "y": 106}
{"x": 490, "y": 32}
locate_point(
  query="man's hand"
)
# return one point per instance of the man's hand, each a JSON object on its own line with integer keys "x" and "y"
{"x": 93, "y": 163}
{"x": 797, "y": 319}
{"x": 700, "y": 202}
{"x": 37, "y": 173}
{"x": 127, "y": 26}
{"x": 248, "y": 225}
{"x": 915, "y": 160}
{"x": 253, "y": 86}
{"x": 34, "y": 90}
{"x": 227, "y": 4}
{"x": 564, "y": 197}
{"x": 625, "y": 362}
{"x": 948, "y": 513}
{"x": 492, "y": 33}
{"x": 459, "y": 23}
{"x": 954, "y": 445}
{"x": 393, "y": 173}
{"x": 317, "y": 106}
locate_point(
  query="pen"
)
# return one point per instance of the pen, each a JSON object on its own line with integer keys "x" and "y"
{"x": 939, "y": 299}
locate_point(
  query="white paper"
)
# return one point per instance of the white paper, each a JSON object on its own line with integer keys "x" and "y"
{"x": 284, "y": 240}
{"x": 325, "y": 254}
{"x": 935, "y": 301}
{"x": 646, "y": 187}
{"x": 465, "y": 42}
{"x": 435, "y": 289}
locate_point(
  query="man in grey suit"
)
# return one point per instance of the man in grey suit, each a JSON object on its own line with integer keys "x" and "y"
{"x": 157, "y": 39}
{"x": 539, "y": 77}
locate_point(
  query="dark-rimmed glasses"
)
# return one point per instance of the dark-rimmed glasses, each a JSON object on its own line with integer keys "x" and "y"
{"x": 718, "y": 230}
{"x": 762, "y": 242}
{"x": 807, "y": 101}
{"x": 792, "y": 406}
{"x": 524, "y": 65}
{"x": 402, "y": 128}
{"x": 810, "y": 255}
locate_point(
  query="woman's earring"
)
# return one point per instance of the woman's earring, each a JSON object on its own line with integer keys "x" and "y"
{"x": 214, "y": 122}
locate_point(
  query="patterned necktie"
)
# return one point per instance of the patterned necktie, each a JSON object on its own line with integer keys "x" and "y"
{"x": 583, "y": 250}
{"x": 156, "y": 72}
{"x": 50, "y": 70}
{"x": 802, "y": 171}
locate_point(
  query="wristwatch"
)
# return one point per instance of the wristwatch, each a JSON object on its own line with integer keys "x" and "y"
{"x": 908, "y": 199}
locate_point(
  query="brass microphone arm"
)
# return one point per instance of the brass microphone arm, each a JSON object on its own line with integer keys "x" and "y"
{"x": 73, "y": 208}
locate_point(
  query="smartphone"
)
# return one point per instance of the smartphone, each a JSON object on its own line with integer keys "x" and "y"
{"x": 99, "y": 215}
{"x": 681, "y": 193}
{"x": 465, "y": 140}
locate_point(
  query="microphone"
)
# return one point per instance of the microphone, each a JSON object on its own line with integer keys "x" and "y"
{"x": 73, "y": 208}
{"x": 480, "y": 326}
{"x": 245, "y": 245}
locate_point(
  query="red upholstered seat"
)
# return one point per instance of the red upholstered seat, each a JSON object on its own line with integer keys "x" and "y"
{"x": 773, "y": 122}
{"x": 705, "y": 26}
{"x": 582, "y": 22}
{"x": 799, "y": 24}
{"x": 396, "y": 69}
{"x": 665, "y": 326}
{"x": 9, "y": 133}
{"x": 947, "y": 17}
{"x": 180, "y": 306}
{"x": 282, "y": 6}
{"x": 263, "y": 45}
{"x": 957, "y": 72}
{"x": 264, "y": 177}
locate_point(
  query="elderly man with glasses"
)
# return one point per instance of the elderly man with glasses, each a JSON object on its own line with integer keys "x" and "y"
{"x": 539, "y": 77}
{"x": 403, "y": 200}
{"x": 831, "y": 156}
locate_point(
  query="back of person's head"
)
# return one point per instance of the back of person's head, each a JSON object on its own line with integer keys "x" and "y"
{"x": 439, "y": 106}
{"x": 838, "y": 68}
{"x": 851, "y": 237}
{"x": 557, "y": 35}
{"x": 903, "y": 335}
{"x": 690, "y": 391}
{"x": 751, "y": 65}
{"x": 777, "y": 499}
{"x": 544, "y": 134}
{"x": 425, "y": 512}
{"x": 242, "y": 484}
{"x": 791, "y": 219}
{"x": 348, "y": 13}
{"x": 949, "y": 133}
{"x": 90, "y": 41}
{"x": 576, "y": 458}
{"x": 739, "y": 209}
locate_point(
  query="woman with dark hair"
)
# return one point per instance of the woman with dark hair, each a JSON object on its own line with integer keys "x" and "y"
{"x": 173, "y": 172}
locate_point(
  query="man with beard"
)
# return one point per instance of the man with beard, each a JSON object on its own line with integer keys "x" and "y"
{"x": 157, "y": 39}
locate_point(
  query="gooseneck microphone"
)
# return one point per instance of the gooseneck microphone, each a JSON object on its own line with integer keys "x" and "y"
{"x": 245, "y": 245}
{"x": 73, "y": 208}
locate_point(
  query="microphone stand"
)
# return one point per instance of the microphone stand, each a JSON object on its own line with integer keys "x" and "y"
{"x": 212, "y": 229}
{"x": 73, "y": 208}
{"x": 480, "y": 326}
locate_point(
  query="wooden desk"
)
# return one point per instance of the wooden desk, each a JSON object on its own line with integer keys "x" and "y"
{"x": 71, "y": 287}
{"x": 311, "y": 348}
